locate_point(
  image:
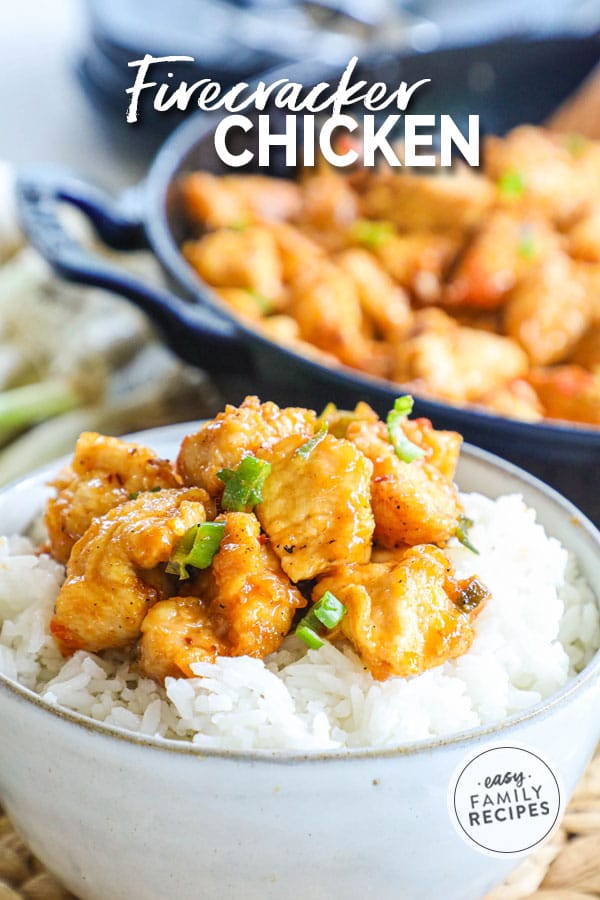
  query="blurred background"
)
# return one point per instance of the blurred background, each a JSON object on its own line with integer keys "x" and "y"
{"x": 74, "y": 359}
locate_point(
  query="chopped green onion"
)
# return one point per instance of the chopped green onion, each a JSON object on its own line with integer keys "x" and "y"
{"x": 511, "y": 183}
{"x": 338, "y": 420}
{"x": 328, "y": 612}
{"x": 462, "y": 533}
{"x": 527, "y": 247}
{"x": 370, "y": 233}
{"x": 473, "y": 595}
{"x": 576, "y": 143}
{"x": 152, "y": 490}
{"x": 306, "y": 449}
{"x": 243, "y": 486}
{"x": 405, "y": 449}
{"x": 263, "y": 303}
{"x": 310, "y": 637}
{"x": 239, "y": 224}
{"x": 196, "y": 548}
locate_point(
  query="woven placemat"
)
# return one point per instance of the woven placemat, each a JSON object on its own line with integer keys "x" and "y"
{"x": 566, "y": 868}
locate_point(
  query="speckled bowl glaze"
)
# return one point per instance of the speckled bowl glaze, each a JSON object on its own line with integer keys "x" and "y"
{"x": 118, "y": 817}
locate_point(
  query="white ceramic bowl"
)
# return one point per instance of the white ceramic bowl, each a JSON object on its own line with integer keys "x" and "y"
{"x": 118, "y": 817}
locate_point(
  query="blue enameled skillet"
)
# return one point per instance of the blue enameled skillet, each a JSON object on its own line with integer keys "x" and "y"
{"x": 505, "y": 82}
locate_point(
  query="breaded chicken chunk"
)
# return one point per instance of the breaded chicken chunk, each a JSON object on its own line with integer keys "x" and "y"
{"x": 451, "y": 201}
{"x": 385, "y": 303}
{"x": 549, "y": 311}
{"x": 246, "y": 606}
{"x": 516, "y": 399}
{"x": 502, "y": 251}
{"x": 246, "y": 258}
{"x": 252, "y": 428}
{"x": 406, "y": 615}
{"x": 533, "y": 168}
{"x": 225, "y": 201}
{"x": 315, "y": 507}
{"x": 104, "y": 473}
{"x": 413, "y": 502}
{"x": 105, "y": 596}
{"x": 325, "y": 302}
{"x": 458, "y": 363}
{"x": 568, "y": 392}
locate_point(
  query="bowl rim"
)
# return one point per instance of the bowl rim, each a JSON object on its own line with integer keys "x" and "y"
{"x": 458, "y": 740}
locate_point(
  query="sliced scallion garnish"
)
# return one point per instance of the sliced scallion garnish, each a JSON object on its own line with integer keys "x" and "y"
{"x": 327, "y": 612}
{"x": 306, "y": 449}
{"x": 405, "y": 449}
{"x": 370, "y": 233}
{"x": 338, "y": 420}
{"x": 152, "y": 490}
{"x": 243, "y": 486}
{"x": 196, "y": 548}
{"x": 576, "y": 143}
{"x": 264, "y": 304}
{"x": 462, "y": 533}
{"x": 511, "y": 183}
{"x": 527, "y": 248}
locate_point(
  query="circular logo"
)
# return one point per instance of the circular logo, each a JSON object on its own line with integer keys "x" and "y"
{"x": 505, "y": 800}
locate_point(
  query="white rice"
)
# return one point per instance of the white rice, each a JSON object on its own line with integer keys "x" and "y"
{"x": 539, "y": 629}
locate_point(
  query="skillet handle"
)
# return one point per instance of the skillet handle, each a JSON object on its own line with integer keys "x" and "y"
{"x": 195, "y": 333}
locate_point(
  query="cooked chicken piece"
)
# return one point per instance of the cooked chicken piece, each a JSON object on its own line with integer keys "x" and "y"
{"x": 315, "y": 507}
{"x": 502, "y": 251}
{"x": 296, "y": 250}
{"x": 246, "y": 607}
{"x": 413, "y": 503}
{"x": 338, "y": 420}
{"x": 385, "y": 303}
{"x": 418, "y": 261}
{"x": 587, "y": 351}
{"x": 431, "y": 320}
{"x": 442, "y": 448}
{"x": 247, "y": 258}
{"x": 406, "y": 615}
{"x": 104, "y": 473}
{"x": 481, "y": 319}
{"x": 586, "y": 157}
{"x": 284, "y": 330}
{"x": 584, "y": 238}
{"x": 549, "y": 311}
{"x": 534, "y": 168}
{"x": 568, "y": 392}
{"x": 104, "y": 599}
{"x": 226, "y": 201}
{"x": 588, "y": 274}
{"x": 325, "y": 303}
{"x": 253, "y": 428}
{"x": 328, "y": 202}
{"x": 176, "y": 633}
{"x": 515, "y": 399}
{"x": 449, "y": 202}
{"x": 458, "y": 364}
{"x": 246, "y": 303}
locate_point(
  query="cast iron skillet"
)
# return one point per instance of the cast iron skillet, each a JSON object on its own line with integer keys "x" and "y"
{"x": 506, "y": 82}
